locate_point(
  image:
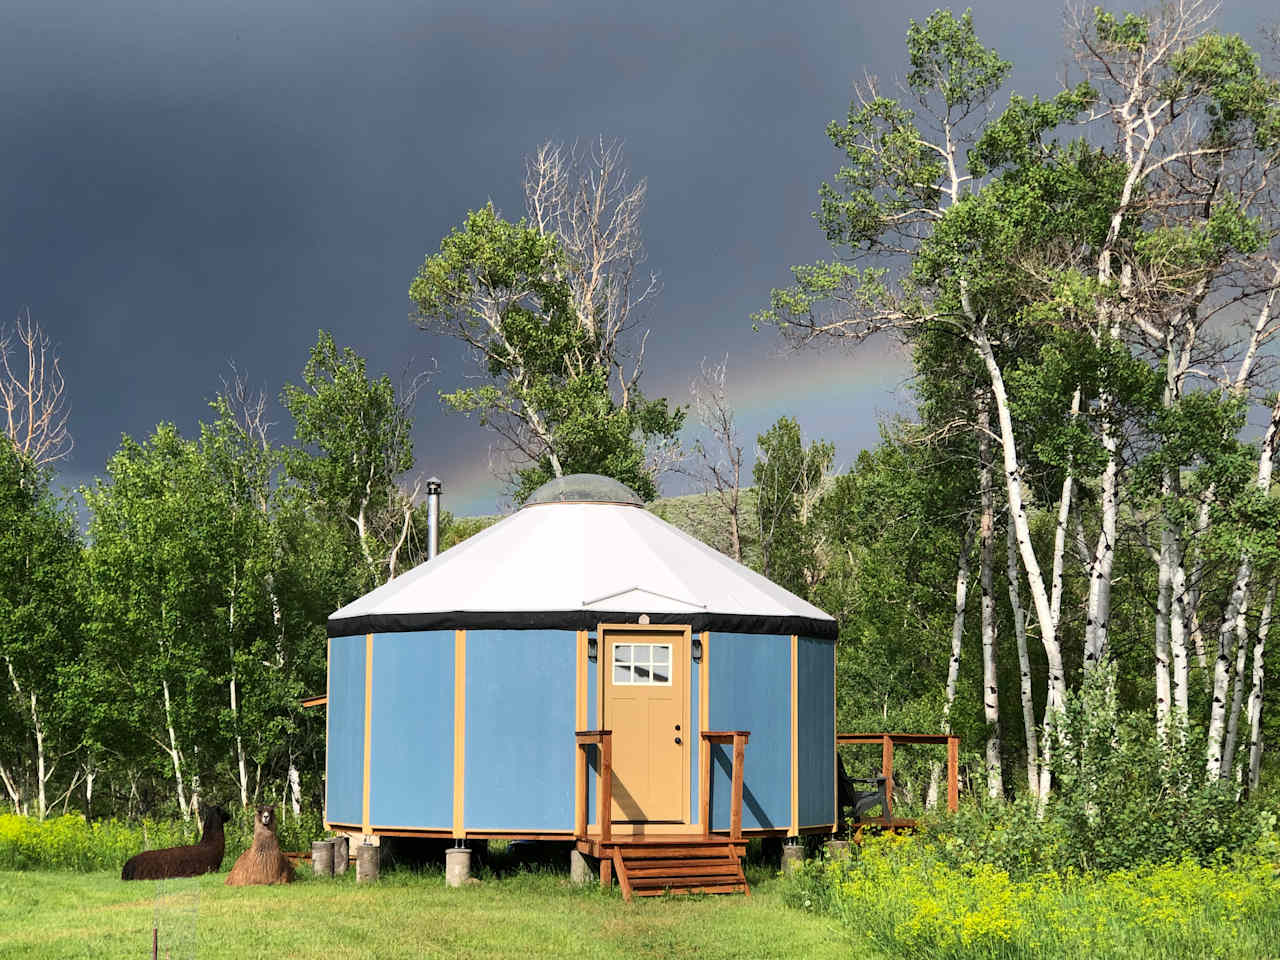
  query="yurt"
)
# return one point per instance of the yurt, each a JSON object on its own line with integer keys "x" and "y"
{"x": 458, "y": 690}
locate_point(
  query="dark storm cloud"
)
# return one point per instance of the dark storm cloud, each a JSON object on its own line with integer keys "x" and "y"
{"x": 189, "y": 184}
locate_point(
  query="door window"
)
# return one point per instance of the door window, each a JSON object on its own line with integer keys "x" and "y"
{"x": 637, "y": 664}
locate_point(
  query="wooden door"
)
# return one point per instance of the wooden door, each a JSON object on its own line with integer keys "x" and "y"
{"x": 646, "y": 706}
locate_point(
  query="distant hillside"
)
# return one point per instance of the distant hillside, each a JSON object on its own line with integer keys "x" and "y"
{"x": 701, "y": 515}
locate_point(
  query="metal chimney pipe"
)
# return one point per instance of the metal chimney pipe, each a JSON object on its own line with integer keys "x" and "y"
{"x": 433, "y": 517}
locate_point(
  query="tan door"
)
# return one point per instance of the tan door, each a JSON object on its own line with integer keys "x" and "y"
{"x": 645, "y": 700}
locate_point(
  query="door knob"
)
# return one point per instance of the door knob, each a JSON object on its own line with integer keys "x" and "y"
{"x": 677, "y": 727}
{"x": 677, "y": 739}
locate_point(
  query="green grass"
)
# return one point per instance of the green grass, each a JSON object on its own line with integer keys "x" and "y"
{"x": 521, "y": 914}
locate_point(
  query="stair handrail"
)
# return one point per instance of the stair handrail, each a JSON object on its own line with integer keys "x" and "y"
{"x": 739, "y": 740}
{"x": 603, "y": 739}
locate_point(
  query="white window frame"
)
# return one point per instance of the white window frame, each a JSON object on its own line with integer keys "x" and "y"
{"x": 613, "y": 647}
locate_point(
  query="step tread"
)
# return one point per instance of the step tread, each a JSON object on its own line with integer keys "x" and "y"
{"x": 677, "y": 853}
{"x": 714, "y": 870}
{"x": 699, "y": 888}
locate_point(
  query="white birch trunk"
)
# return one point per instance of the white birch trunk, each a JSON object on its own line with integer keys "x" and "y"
{"x": 1022, "y": 529}
{"x": 1024, "y": 667}
{"x": 1255, "y": 694}
{"x": 174, "y": 754}
{"x": 1098, "y": 608}
{"x": 1237, "y": 698}
{"x": 1163, "y": 590}
{"x": 42, "y": 777}
{"x": 37, "y": 732}
{"x": 295, "y": 790}
{"x": 1179, "y": 674}
{"x": 1234, "y": 612}
{"x": 990, "y": 691}
{"x": 953, "y": 667}
{"x": 90, "y": 775}
{"x": 12, "y": 788}
{"x": 1060, "y": 531}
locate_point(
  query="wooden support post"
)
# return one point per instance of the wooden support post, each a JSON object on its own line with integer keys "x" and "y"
{"x": 886, "y": 769}
{"x": 602, "y": 740}
{"x": 706, "y": 790}
{"x": 580, "y": 789}
{"x": 606, "y": 788}
{"x": 606, "y": 872}
{"x": 953, "y": 774}
{"x": 735, "y": 822}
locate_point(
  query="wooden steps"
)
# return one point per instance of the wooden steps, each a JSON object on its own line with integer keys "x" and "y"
{"x": 646, "y": 870}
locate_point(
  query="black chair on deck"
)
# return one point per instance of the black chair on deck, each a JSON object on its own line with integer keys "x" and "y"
{"x": 862, "y": 793}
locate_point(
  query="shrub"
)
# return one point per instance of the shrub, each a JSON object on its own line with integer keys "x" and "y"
{"x": 1120, "y": 800}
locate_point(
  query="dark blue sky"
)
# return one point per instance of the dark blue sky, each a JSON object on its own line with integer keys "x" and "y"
{"x": 190, "y": 184}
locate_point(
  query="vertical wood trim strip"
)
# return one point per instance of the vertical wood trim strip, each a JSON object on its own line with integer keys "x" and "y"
{"x": 580, "y": 723}
{"x": 368, "y": 722}
{"x": 328, "y": 698}
{"x": 686, "y": 722}
{"x": 602, "y": 655}
{"x": 794, "y": 829}
{"x": 953, "y": 776}
{"x": 835, "y": 743}
{"x": 704, "y": 748}
{"x": 459, "y": 728}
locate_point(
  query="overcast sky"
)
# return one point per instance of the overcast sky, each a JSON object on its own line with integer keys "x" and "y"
{"x": 190, "y": 184}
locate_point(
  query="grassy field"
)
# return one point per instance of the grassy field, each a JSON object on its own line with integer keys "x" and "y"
{"x": 406, "y": 914}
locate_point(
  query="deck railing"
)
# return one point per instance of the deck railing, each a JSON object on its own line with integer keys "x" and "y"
{"x": 603, "y": 740}
{"x": 888, "y": 741}
{"x": 739, "y": 740}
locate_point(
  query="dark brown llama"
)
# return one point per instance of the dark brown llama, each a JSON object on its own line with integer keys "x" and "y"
{"x": 191, "y": 861}
{"x": 262, "y": 862}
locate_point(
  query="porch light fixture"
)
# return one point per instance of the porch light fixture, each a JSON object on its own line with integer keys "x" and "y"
{"x": 695, "y": 649}
{"x": 593, "y": 647}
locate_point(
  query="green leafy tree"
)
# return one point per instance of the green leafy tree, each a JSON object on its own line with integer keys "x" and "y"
{"x": 789, "y": 479}
{"x": 40, "y": 639}
{"x": 354, "y": 436}
{"x": 504, "y": 290}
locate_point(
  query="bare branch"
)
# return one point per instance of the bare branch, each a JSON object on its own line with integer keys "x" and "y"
{"x": 33, "y": 393}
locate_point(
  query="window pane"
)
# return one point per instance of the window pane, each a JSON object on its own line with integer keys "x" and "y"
{"x": 622, "y": 653}
{"x": 621, "y": 673}
{"x": 661, "y": 673}
{"x": 642, "y": 673}
{"x": 661, "y": 654}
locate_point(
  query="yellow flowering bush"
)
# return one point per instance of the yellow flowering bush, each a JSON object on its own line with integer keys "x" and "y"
{"x": 912, "y": 903}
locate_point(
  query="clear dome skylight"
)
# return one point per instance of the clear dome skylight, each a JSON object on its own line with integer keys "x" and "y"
{"x": 584, "y": 488}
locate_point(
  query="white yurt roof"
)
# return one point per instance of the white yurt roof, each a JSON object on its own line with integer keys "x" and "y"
{"x": 580, "y": 552}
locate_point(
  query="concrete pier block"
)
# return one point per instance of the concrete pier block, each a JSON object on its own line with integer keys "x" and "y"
{"x": 341, "y": 854}
{"x": 457, "y": 866}
{"x": 837, "y": 849}
{"x": 368, "y": 860}
{"x": 322, "y": 858}
{"x": 792, "y": 856}
{"x": 580, "y": 869}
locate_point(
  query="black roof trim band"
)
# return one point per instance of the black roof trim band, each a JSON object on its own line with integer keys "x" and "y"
{"x": 577, "y": 620}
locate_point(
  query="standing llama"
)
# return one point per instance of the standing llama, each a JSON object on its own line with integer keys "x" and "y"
{"x": 191, "y": 861}
{"x": 262, "y": 862}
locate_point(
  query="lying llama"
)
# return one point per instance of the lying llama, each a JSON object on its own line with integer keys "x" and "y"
{"x": 203, "y": 857}
{"x": 262, "y": 862}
